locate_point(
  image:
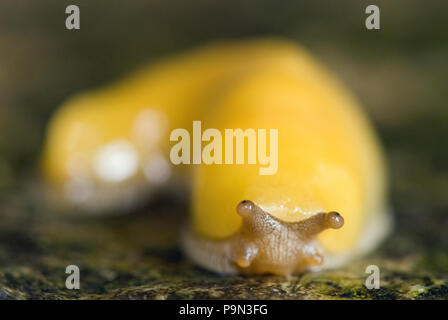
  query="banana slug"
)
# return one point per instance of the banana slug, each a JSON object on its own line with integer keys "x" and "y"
{"x": 109, "y": 148}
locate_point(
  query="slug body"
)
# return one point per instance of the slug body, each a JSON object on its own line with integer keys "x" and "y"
{"x": 328, "y": 171}
{"x": 109, "y": 148}
{"x": 328, "y": 160}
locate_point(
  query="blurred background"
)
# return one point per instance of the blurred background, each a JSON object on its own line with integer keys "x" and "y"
{"x": 399, "y": 73}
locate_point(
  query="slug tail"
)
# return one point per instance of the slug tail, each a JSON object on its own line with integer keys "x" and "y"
{"x": 209, "y": 254}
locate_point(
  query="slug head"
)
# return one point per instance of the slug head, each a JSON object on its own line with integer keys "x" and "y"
{"x": 265, "y": 244}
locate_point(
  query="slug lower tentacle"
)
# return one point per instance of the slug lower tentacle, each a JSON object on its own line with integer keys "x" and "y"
{"x": 264, "y": 244}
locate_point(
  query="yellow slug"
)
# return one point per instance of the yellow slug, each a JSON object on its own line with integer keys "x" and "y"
{"x": 111, "y": 147}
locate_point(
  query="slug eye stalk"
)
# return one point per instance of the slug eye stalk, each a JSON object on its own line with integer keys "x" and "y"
{"x": 256, "y": 219}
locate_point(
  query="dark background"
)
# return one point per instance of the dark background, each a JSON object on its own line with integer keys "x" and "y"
{"x": 399, "y": 73}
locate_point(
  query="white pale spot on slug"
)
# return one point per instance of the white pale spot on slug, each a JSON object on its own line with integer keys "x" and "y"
{"x": 78, "y": 190}
{"x": 287, "y": 209}
{"x": 77, "y": 165}
{"x": 157, "y": 169}
{"x": 116, "y": 161}
{"x": 149, "y": 127}
{"x": 74, "y": 135}
{"x": 307, "y": 212}
{"x": 80, "y": 133}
